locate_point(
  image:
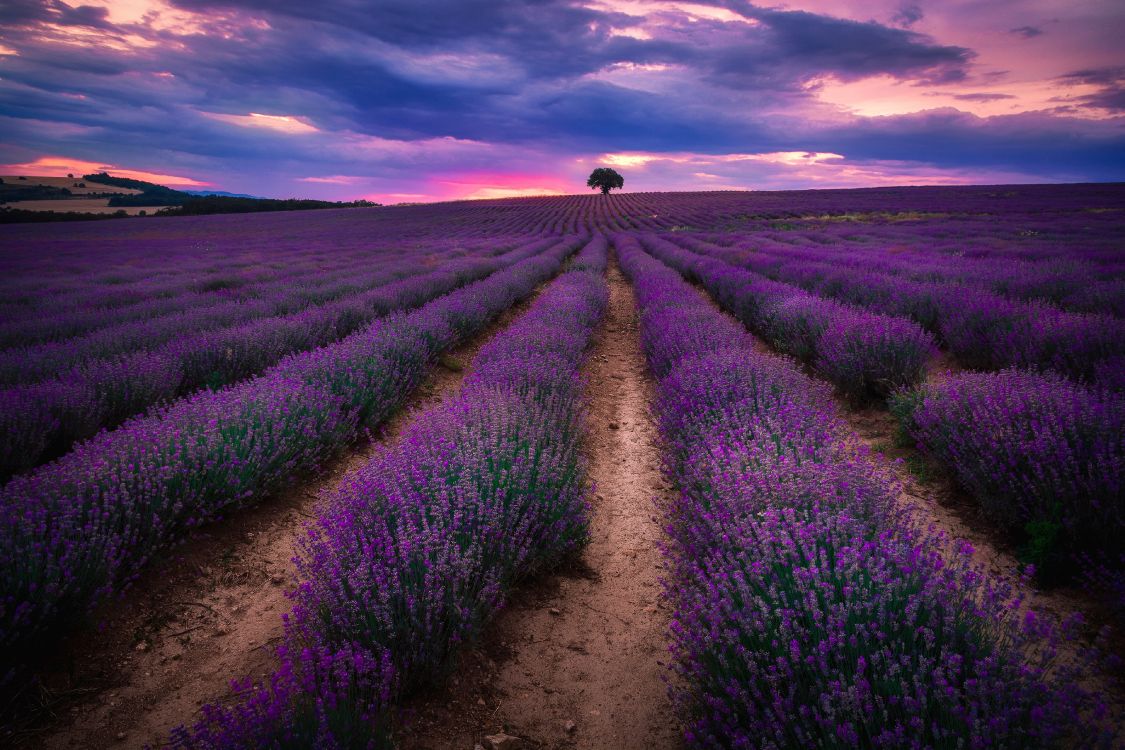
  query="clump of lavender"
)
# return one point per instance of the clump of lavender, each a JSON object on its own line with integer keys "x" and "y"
{"x": 810, "y": 611}
{"x": 873, "y": 355}
{"x": 866, "y": 355}
{"x": 416, "y": 549}
{"x": 990, "y": 332}
{"x": 1044, "y": 456}
{"x": 318, "y": 697}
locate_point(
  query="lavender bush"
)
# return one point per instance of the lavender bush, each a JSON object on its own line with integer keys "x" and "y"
{"x": 1045, "y": 457}
{"x": 864, "y": 354}
{"x": 416, "y": 549}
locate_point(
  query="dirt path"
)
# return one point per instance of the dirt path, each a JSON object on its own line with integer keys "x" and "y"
{"x": 577, "y": 659}
{"x": 210, "y": 613}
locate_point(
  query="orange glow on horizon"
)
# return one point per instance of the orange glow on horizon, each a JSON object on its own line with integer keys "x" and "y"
{"x": 484, "y": 186}
{"x": 486, "y": 193}
{"x": 884, "y": 96}
{"x": 60, "y": 166}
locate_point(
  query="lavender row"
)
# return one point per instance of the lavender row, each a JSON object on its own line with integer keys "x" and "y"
{"x": 85, "y": 306}
{"x": 417, "y": 548}
{"x": 810, "y": 611}
{"x": 162, "y": 258}
{"x": 78, "y": 529}
{"x": 1043, "y": 456}
{"x": 42, "y": 420}
{"x": 29, "y": 364}
{"x": 982, "y": 329}
{"x": 918, "y": 255}
{"x": 864, "y": 354}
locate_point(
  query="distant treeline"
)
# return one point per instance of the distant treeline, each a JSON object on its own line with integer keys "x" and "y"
{"x": 222, "y": 204}
{"x": 11, "y": 192}
{"x": 104, "y": 178}
{"x": 9, "y": 215}
{"x": 151, "y": 194}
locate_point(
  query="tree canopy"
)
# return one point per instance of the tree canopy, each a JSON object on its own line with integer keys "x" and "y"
{"x": 605, "y": 179}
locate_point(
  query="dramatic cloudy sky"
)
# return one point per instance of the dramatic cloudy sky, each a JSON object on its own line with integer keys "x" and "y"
{"x": 404, "y": 100}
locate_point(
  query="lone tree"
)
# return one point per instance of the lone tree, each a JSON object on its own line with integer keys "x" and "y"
{"x": 605, "y": 179}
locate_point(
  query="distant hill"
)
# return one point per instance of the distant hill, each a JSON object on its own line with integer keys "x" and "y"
{"x": 151, "y": 194}
{"x": 103, "y": 195}
{"x": 224, "y": 194}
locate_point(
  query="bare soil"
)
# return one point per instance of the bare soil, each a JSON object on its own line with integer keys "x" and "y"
{"x": 577, "y": 659}
{"x": 210, "y": 613}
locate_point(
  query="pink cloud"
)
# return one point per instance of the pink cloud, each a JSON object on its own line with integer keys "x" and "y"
{"x": 291, "y": 124}
{"x": 60, "y": 166}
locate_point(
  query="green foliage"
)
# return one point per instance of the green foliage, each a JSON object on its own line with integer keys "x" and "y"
{"x": 157, "y": 196}
{"x": 104, "y": 178}
{"x": 1041, "y": 547}
{"x": 197, "y": 205}
{"x": 12, "y": 193}
{"x": 605, "y": 179}
{"x": 918, "y": 467}
{"x": 902, "y": 404}
{"x": 9, "y": 215}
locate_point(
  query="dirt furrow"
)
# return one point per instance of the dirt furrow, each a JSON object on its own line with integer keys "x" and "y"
{"x": 208, "y": 614}
{"x": 577, "y": 659}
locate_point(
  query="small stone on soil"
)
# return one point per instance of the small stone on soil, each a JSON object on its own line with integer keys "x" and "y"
{"x": 502, "y": 742}
{"x": 570, "y": 726}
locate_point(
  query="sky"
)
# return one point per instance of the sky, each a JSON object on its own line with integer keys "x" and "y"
{"x": 419, "y": 100}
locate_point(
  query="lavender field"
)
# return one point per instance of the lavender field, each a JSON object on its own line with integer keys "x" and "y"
{"x": 802, "y": 469}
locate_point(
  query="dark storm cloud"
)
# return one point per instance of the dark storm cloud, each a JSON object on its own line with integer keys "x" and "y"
{"x": 84, "y": 15}
{"x": 1059, "y": 149}
{"x": 908, "y": 15}
{"x": 24, "y": 11}
{"x": 807, "y": 45}
{"x": 1111, "y": 81}
{"x": 982, "y": 96}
